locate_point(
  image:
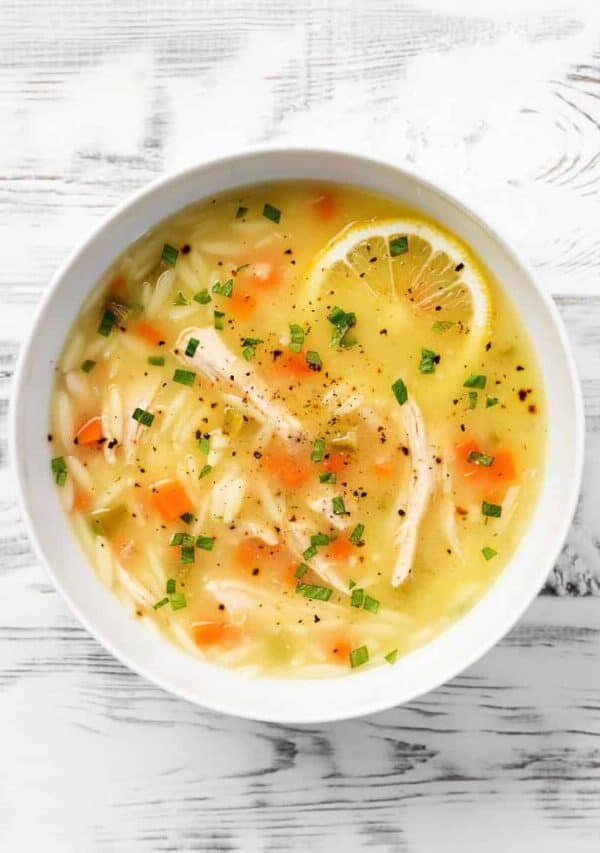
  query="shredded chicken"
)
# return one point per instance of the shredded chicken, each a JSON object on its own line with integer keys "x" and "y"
{"x": 298, "y": 539}
{"x": 228, "y": 494}
{"x": 447, "y": 506}
{"x": 421, "y": 486}
{"x": 217, "y": 362}
{"x": 323, "y": 508}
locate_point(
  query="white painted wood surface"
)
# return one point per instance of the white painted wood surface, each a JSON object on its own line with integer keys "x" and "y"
{"x": 499, "y": 101}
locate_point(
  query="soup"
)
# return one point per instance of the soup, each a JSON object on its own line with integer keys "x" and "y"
{"x": 298, "y": 429}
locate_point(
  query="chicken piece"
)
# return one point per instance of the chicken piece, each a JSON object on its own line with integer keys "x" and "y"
{"x": 213, "y": 358}
{"x": 297, "y": 539}
{"x": 421, "y": 486}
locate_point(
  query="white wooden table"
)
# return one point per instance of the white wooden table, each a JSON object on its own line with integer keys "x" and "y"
{"x": 499, "y": 101}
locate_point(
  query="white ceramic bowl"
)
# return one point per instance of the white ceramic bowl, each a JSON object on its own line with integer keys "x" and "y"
{"x": 299, "y": 701}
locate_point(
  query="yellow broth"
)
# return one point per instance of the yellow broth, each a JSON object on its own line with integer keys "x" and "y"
{"x": 238, "y": 579}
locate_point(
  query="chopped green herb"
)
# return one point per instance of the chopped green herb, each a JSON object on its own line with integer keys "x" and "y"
{"x": 187, "y": 553}
{"x": 312, "y": 590}
{"x": 203, "y": 296}
{"x": 347, "y": 340}
{"x": 488, "y": 553}
{"x": 316, "y": 453}
{"x": 250, "y": 345}
{"x": 205, "y": 471}
{"x": 241, "y": 212}
{"x": 491, "y": 401}
{"x": 327, "y": 477}
{"x": 398, "y": 246}
{"x": 400, "y": 391}
{"x": 475, "y": 380}
{"x": 204, "y": 444}
{"x": 240, "y": 268}
{"x": 143, "y": 417}
{"x": 225, "y": 289}
{"x": 180, "y": 299}
{"x": 205, "y": 542}
{"x": 88, "y": 365}
{"x": 169, "y": 255}
{"x": 392, "y": 656}
{"x": 187, "y": 517}
{"x": 271, "y": 213}
{"x": 178, "y": 601}
{"x": 442, "y": 326}
{"x": 310, "y": 552}
{"x": 181, "y": 538}
{"x": 357, "y": 533}
{"x": 351, "y": 584}
{"x": 371, "y": 604}
{"x": 106, "y": 323}
{"x": 320, "y": 539}
{"x": 313, "y": 359}
{"x": 357, "y": 597}
{"x": 491, "y": 510}
{"x": 171, "y": 585}
{"x": 473, "y": 396}
{"x": 218, "y": 317}
{"x": 160, "y": 603}
{"x": 343, "y": 321}
{"x": 184, "y": 377}
{"x": 338, "y": 505}
{"x": 59, "y": 469}
{"x": 156, "y": 360}
{"x": 301, "y": 570}
{"x": 478, "y": 458}
{"x": 359, "y": 656}
{"x": 192, "y": 346}
{"x": 337, "y": 316}
{"x": 429, "y": 359}
{"x": 296, "y": 337}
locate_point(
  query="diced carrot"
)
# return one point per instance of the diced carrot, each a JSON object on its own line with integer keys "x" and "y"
{"x": 241, "y": 304}
{"x": 385, "y": 469}
{"x": 275, "y": 561}
{"x": 340, "y": 549}
{"x": 288, "y": 574}
{"x": 252, "y": 552}
{"x": 81, "y": 499}
{"x": 215, "y": 633}
{"x": 208, "y": 633}
{"x": 170, "y": 499}
{"x": 339, "y": 649}
{"x": 149, "y": 333}
{"x": 90, "y": 432}
{"x": 264, "y": 271}
{"x": 294, "y": 364}
{"x": 335, "y": 461}
{"x": 291, "y": 471}
{"x": 325, "y": 206}
{"x": 118, "y": 284}
{"x": 489, "y": 478}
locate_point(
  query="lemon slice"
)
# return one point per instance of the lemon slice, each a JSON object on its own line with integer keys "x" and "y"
{"x": 413, "y": 263}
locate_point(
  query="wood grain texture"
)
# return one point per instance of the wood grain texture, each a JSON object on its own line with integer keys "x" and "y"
{"x": 499, "y": 102}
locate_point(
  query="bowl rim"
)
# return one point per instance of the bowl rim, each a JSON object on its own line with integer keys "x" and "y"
{"x": 569, "y": 497}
